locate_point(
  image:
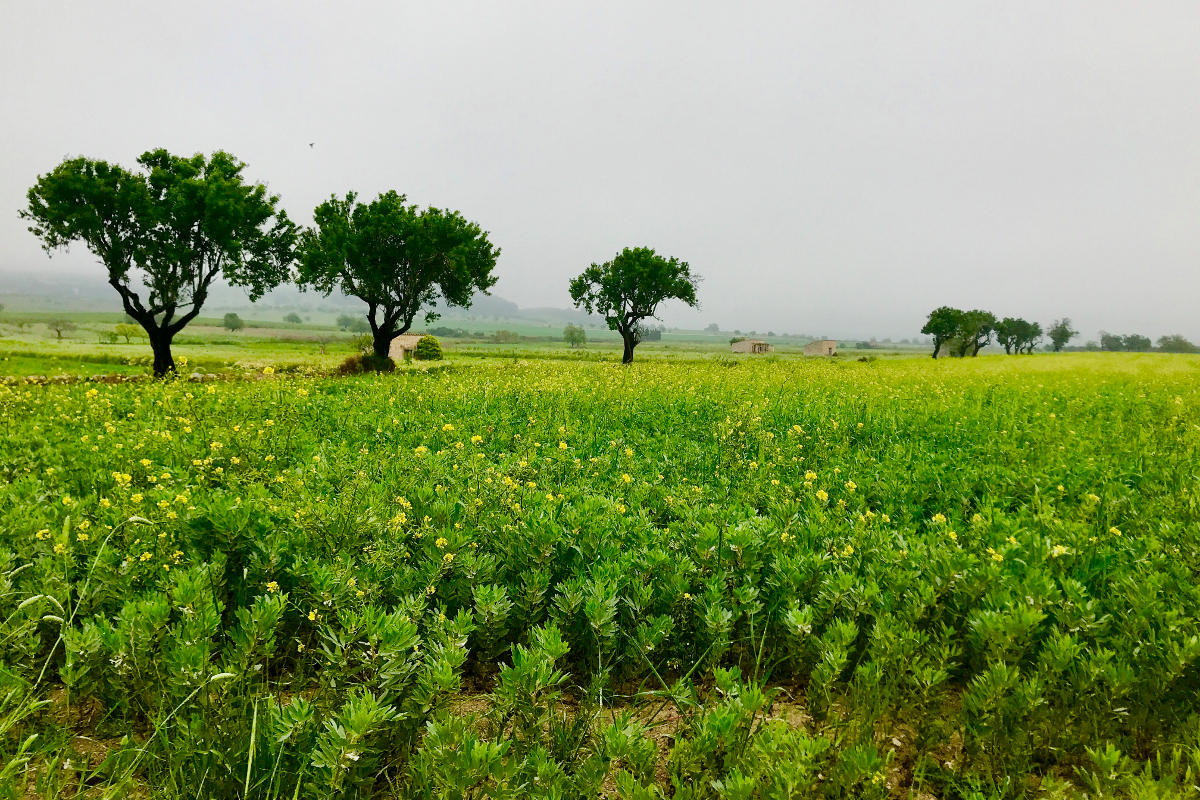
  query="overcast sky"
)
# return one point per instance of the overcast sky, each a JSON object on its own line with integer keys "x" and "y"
{"x": 833, "y": 168}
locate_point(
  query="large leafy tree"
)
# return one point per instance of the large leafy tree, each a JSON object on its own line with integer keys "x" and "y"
{"x": 942, "y": 325}
{"x": 975, "y": 329}
{"x": 1061, "y": 332}
{"x": 1017, "y": 335}
{"x": 396, "y": 258}
{"x": 177, "y": 225}
{"x": 628, "y": 289}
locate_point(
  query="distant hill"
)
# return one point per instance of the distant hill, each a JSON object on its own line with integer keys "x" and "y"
{"x": 34, "y": 291}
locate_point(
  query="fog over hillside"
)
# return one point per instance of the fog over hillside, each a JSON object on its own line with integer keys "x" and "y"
{"x": 823, "y": 166}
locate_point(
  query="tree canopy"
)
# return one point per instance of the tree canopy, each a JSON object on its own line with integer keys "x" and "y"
{"x": 942, "y": 325}
{"x": 1017, "y": 335}
{"x": 177, "y": 225}
{"x": 1061, "y": 332}
{"x": 574, "y": 336}
{"x": 628, "y": 290}
{"x": 396, "y": 258}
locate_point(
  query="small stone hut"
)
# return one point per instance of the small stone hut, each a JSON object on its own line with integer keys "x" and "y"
{"x": 821, "y": 347}
{"x": 403, "y": 346}
{"x": 753, "y": 346}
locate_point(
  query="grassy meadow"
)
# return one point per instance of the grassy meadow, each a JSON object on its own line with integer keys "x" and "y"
{"x": 29, "y": 348}
{"x": 532, "y": 576}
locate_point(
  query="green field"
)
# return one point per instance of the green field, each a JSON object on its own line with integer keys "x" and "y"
{"x": 31, "y": 349}
{"x": 538, "y": 577}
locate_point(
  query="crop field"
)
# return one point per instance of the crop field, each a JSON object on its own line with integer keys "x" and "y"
{"x": 548, "y": 578}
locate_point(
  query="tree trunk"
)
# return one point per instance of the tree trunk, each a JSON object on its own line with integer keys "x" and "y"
{"x": 937, "y": 346}
{"x": 383, "y": 344}
{"x": 160, "y": 343}
{"x": 630, "y": 343}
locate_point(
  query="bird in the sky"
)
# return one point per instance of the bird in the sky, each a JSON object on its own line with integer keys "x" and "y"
{"x": 310, "y": 144}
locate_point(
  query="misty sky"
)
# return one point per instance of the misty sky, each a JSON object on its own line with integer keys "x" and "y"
{"x": 832, "y": 168}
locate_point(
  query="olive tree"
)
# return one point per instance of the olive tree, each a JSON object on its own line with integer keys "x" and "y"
{"x": 396, "y": 258}
{"x": 975, "y": 329}
{"x": 1017, "y": 335}
{"x": 61, "y": 325}
{"x": 942, "y": 325}
{"x": 177, "y": 225}
{"x": 574, "y": 336}
{"x": 1061, "y": 332}
{"x": 628, "y": 289}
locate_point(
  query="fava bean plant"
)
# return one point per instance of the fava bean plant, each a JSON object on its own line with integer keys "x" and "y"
{"x": 778, "y": 579}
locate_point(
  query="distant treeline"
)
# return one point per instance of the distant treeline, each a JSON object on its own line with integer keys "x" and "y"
{"x": 959, "y": 333}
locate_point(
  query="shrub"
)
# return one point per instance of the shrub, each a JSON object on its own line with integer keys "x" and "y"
{"x": 428, "y": 349}
{"x": 506, "y": 337}
{"x": 365, "y": 362}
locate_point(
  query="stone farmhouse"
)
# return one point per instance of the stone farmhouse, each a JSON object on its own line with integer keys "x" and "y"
{"x": 752, "y": 346}
{"x": 403, "y": 346}
{"x": 821, "y": 347}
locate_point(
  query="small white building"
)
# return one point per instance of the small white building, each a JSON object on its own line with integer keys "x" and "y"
{"x": 753, "y": 346}
{"x": 403, "y": 346}
{"x": 821, "y": 347}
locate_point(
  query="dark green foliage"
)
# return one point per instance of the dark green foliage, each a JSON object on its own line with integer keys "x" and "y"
{"x": 396, "y": 258}
{"x": 1176, "y": 344}
{"x": 942, "y": 325}
{"x": 975, "y": 329}
{"x": 627, "y": 290}
{"x": 182, "y": 223}
{"x": 293, "y": 318}
{"x": 1061, "y": 332}
{"x": 428, "y": 349}
{"x": 365, "y": 362}
{"x": 451, "y": 333}
{"x": 232, "y": 322}
{"x": 1018, "y": 335}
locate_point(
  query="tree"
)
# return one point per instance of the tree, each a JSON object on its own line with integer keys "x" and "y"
{"x": 1136, "y": 343}
{"x": 942, "y": 325}
{"x": 1111, "y": 342}
{"x": 353, "y": 324}
{"x": 293, "y": 318}
{"x": 61, "y": 326}
{"x": 1033, "y": 337}
{"x": 628, "y": 289}
{"x": 1175, "y": 344}
{"x": 574, "y": 336}
{"x": 232, "y": 322}
{"x": 713, "y": 328}
{"x": 1061, "y": 332}
{"x": 127, "y": 330}
{"x": 1017, "y": 335}
{"x": 975, "y": 329}
{"x": 323, "y": 340}
{"x": 1008, "y": 333}
{"x": 395, "y": 258}
{"x": 182, "y": 222}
